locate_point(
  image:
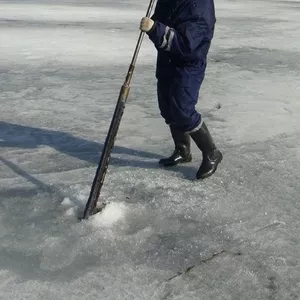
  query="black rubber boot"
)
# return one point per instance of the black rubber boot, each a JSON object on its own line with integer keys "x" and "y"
{"x": 211, "y": 155}
{"x": 182, "y": 152}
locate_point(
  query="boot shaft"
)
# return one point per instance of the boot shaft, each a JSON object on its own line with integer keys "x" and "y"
{"x": 203, "y": 139}
{"x": 182, "y": 141}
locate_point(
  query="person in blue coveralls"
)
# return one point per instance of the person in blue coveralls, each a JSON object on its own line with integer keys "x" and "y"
{"x": 181, "y": 31}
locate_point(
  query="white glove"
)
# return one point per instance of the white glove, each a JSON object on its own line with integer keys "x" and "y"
{"x": 146, "y": 24}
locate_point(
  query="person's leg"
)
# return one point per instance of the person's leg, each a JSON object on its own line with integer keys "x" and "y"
{"x": 182, "y": 107}
{"x": 163, "y": 97}
{"x": 182, "y": 153}
{"x": 189, "y": 121}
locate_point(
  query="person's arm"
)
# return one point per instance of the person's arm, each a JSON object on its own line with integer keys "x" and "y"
{"x": 183, "y": 39}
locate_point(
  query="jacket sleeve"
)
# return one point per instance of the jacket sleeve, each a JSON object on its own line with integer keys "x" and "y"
{"x": 157, "y": 8}
{"x": 183, "y": 39}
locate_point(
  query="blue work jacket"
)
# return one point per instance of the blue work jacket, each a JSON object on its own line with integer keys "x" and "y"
{"x": 182, "y": 34}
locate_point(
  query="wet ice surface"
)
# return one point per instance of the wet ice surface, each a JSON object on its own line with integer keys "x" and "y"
{"x": 162, "y": 235}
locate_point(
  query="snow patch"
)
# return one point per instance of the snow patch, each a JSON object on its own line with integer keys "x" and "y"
{"x": 57, "y": 254}
{"x": 110, "y": 215}
{"x": 71, "y": 212}
{"x": 67, "y": 202}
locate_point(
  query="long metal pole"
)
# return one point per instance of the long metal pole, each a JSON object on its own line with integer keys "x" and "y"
{"x": 113, "y": 130}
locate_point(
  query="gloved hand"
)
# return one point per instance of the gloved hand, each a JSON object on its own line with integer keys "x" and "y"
{"x": 146, "y": 24}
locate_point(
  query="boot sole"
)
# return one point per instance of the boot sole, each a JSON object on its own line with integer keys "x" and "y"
{"x": 175, "y": 163}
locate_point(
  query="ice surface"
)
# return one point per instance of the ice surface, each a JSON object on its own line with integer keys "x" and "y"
{"x": 162, "y": 235}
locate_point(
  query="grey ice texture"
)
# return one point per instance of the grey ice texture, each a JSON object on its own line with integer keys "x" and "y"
{"x": 163, "y": 235}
